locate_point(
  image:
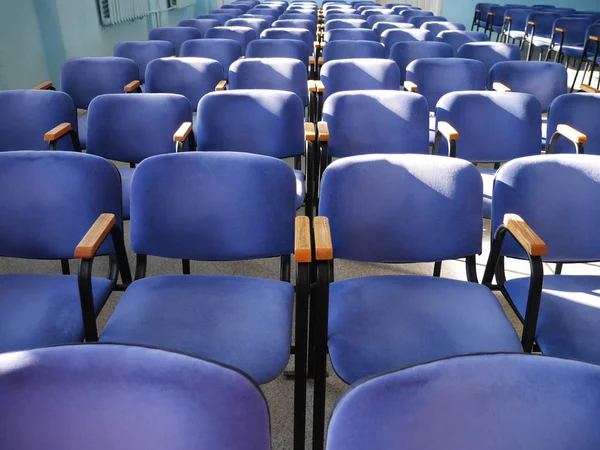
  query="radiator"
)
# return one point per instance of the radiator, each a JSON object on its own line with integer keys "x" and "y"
{"x": 118, "y": 11}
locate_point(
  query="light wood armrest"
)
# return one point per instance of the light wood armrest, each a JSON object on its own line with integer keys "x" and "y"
{"x": 302, "y": 247}
{"x": 531, "y": 23}
{"x": 309, "y": 131}
{"x": 43, "y": 86}
{"x": 131, "y": 87}
{"x": 312, "y": 87}
{"x": 93, "y": 239}
{"x": 508, "y": 18}
{"x": 221, "y": 85}
{"x": 500, "y": 87}
{"x": 571, "y": 133}
{"x": 311, "y": 60}
{"x": 319, "y": 44}
{"x": 57, "y": 132}
{"x": 448, "y": 131}
{"x": 560, "y": 30}
{"x": 595, "y": 38}
{"x": 323, "y": 131}
{"x": 491, "y": 14}
{"x": 410, "y": 86}
{"x": 591, "y": 90}
{"x": 530, "y": 241}
{"x": 478, "y": 10}
{"x": 321, "y": 61}
{"x": 183, "y": 132}
{"x": 320, "y": 86}
{"x": 323, "y": 245}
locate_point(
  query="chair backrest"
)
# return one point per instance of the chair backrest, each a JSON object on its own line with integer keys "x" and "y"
{"x": 381, "y": 27}
{"x": 458, "y": 38}
{"x": 492, "y": 126}
{"x": 518, "y": 17}
{"x": 142, "y": 52}
{"x": 391, "y": 36}
{"x": 544, "y": 23}
{"x": 340, "y": 16}
{"x": 258, "y": 25}
{"x": 544, "y": 80}
{"x": 397, "y": 123}
{"x": 418, "y": 21}
{"x": 175, "y": 35}
{"x": 368, "y": 199}
{"x": 346, "y": 23}
{"x": 484, "y": 8}
{"x": 191, "y": 77}
{"x": 376, "y": 18}
{"x": 86, "y": 78}
{"x": 147, "y": 398}
{"x": 231, "y": 11}
{"x": 200, "y": 24}
{"x": 377, "y": 12}
{"x": 359, "y": 74}
{"x": 556, "y": 195}
{"x": 289, "y": 33}
{"x": 242, "y": 35}
{"x": 222, "y": 18}
{"x": 575, "y": 29}
{"x": 26, "y": 115}
{"x": 271, "y": 12}
{"x": 279, "y": 48}
{"x": 399, "y": 8}
{"x": 267, "y": 18}
{"x": 497, "y": 14}
{"x": 194, "y": 205}
{"x": 410, "y": 13}
{"x": 403, "y": 53}
{"x": 130, "y": 128}
{"x": 490, "y": 53}
{"x": 55, "y": 197}
{"x": 284, "y": 74}
{"x": 297, "y": 23}
{"x": 435, "y": 28}
{"x": 436, "y": 77}
{"x": 581, "y": 111}
{"x": 300, "y": 16}
{"x": 468, "y": 394}
{"x": 225, "y": 51}
{"x": 241, "y": 6}
{"x": 352, "y": 49}
{"x": 351, "y": 34}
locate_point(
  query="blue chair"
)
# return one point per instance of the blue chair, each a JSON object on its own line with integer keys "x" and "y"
{"x": 515, "y": 22}
{"x": 435, "y": 28}
{"x": 289, "y": 33}
{"x": 175, "y": 35}
{"x": 86, "y": 78}
{"x": 225, "y": 51}
{"x": 352, "y": 49}
{"x": 495, "y": 20}
{"x": 490, "y": 53}
{"x": 569, "y": 32}
{"x": 399, "y": 8}
{"x": 391, "y": 36}
{"x": 469, "y": 394}
{"x": 346, "y": 23}
{"x": 222, "y": 18}
{"x": 488, "y": 127}
{"x": 481, "y": 14}
{"x": 57, "y": 200}
{"x": 539, "y": 31}
{"x": 377, "y": 12}
{"x": 243, "y": 35}
{"x": 341, "y": 16}
{"x": 27, "y": 115}
{"x": 258, "y": 25}
{"x": 267, "y": 18}
{"x": 280, "y": 48}
{"x": 376, "y": 18}
{"x": 148, "y": 398}
{"x": 268, "y": 11}
{"x": 380, "y": 27}
{"x": 296, "y": 23}
{"x": 233, "y": 12}
{"x": 403, "y": 53}
{"x": 410, "y": 13}
{"x": 588, "y": 53}
{"x": 142, "y": 52}
{"x": 116, "y": 133}
{"x": 379, "y": 323}
{"x": 458, "y": 38}
{"x": 418, "y": 21}
{"x": 297, "y": 16}
{"x": 351, "y": 34}
{"x": 200, "y": 24}
{"x": 241, "y": 6}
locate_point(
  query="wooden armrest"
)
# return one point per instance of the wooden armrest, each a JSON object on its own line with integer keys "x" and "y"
{"x": 507, "y": 18}
{"x": 311, "y": 60}
{"x": 323, "y": 245}
{"x": 410, "y": 86}
{"x": 448, "y": 131}
{"x": 43, "y": 86}
{"x": 320, "y": 86}
{"x": 478, "y": 10}
{"x": 323, "y": 129}
{"x": 500, "y": 87}
{"x": 319, "y": 45}
{"x": 523, "y": 233}
{"x": 595, "y": 38}
{"x": 312, "y": 87}
{"x": 560, "y": 30}
{"x": 571, "y": 133}
{"x": 131, "y": 87}
{"x": 531, "y": 23}
{"x": 309, "y": 131}
{"x": 321, "y": 61}
{"x": 491, "y": 14}
{"x": 221, "y": 85}
{"x": 302, "y": 247}
{"x": 57, "y": 132}
{"x": 92, "y": 240}
{"x": 183, "y": 132}
{"x": 591, "y": 90}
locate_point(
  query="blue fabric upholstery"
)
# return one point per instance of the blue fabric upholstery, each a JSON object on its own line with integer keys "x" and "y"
{"x": 40, "y": 310}
{"x": 378, "y": 12}
{"x": 273, "y": 13}
{"x": 243, "y": 35}
{"x": 340, "y": 15}
{"x": 436, "y": 77}
{"x": 410, "y": 13}
{"x": 86, "y": 78}
{"x": 282, "y": 74}
{"x": 490, "y": 53}
{"x": 292, "y": 16}
{"x": 297, "y": 23}
{"x": 243, "y": 322}
{"x": 492, "y": 402}
{"x": 191, "y": 77}
{"x": 418, "y": 21}
{"x": 442, "y": 196}
{"x": 26, "y": 115}
{"x": 581, "y": 111}
{"x": 142, "y": 52}
{"x": 544, "y": 27}
{"x": 519, "y": 16}
{"x": 377, "y": 18}
{"x": 50, "y": 216}
{"x": 279, "y": 48}
{"x": 403, "y": 53}
{"x": 544, "y": 80}
{"x": 381, "y": 27}
{"x": 346, "y": 23}
{"x": 352, "y": 49}
{"x": 258, "y": 25}
{"x": 382, "y": 323}
{"x": 436, "y": 27}
{"x": 82, "y": 128}
{"x": 126, "y": 175}
{"x": 396, "y": 123}
{"x": 181, "y": 206}
{"x": 231, "y": 11}
{"x": 391, "y": 36}
{"x": 556, "y": 195}
{"x": 175, "y": 35}
{"x": 202, "y": 25}
{"x": 289, "y": 33}
{"x": 144, "y": 398}
{"x": 241, "y": 6}
{"x": 225, "y": 51}
{"x": 351, "y": 34}
{"x": 458, "y": 38}
{"x": 359, "y": 74}
{"x": 267, "y": 18}
{"x": 222, "y": 18}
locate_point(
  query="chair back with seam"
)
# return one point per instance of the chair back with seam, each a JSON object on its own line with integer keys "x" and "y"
{"x": 351, "y": 34}
{"x": 458, "y": 38}
{"x": 258, "y": 25}
{"x": 289, "y": 33}
{"x": 381, "y": 27}
{"x": 279, "y": 48}
{"x": 175, "y": 35}
{"x": 297, "y": 23}
{"x": 225, "y": 51}
{"x": 222, "y": 18}
{"x": 376, "y": 18}
{"x": 142, "y": 52}
{"x": 419, "y": 21}
{"x": 391, "y": 36}
{"x": 435, "y": 27}
{"x": 200, "y": 24}
{"x": 489, "y": 53}
{"x": 352, "y": 49}
{"x": 346, "y": 23}
{"x": 403, "y": 53}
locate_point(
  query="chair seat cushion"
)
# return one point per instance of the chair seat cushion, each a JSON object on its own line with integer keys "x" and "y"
{"x": 517, "y": 34}
{"x": 541, "y": 41}
{"x": 40, "y": 310}
{"x": 487, "y": 175}
{"x": 239, "y": 321}
{"x": 82, "y": 129}
{"x": 569, "y": 319}
{"x": 299, "y": 188}
{"x": 388, "y": 322}
{"x": 126, "y": 174}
